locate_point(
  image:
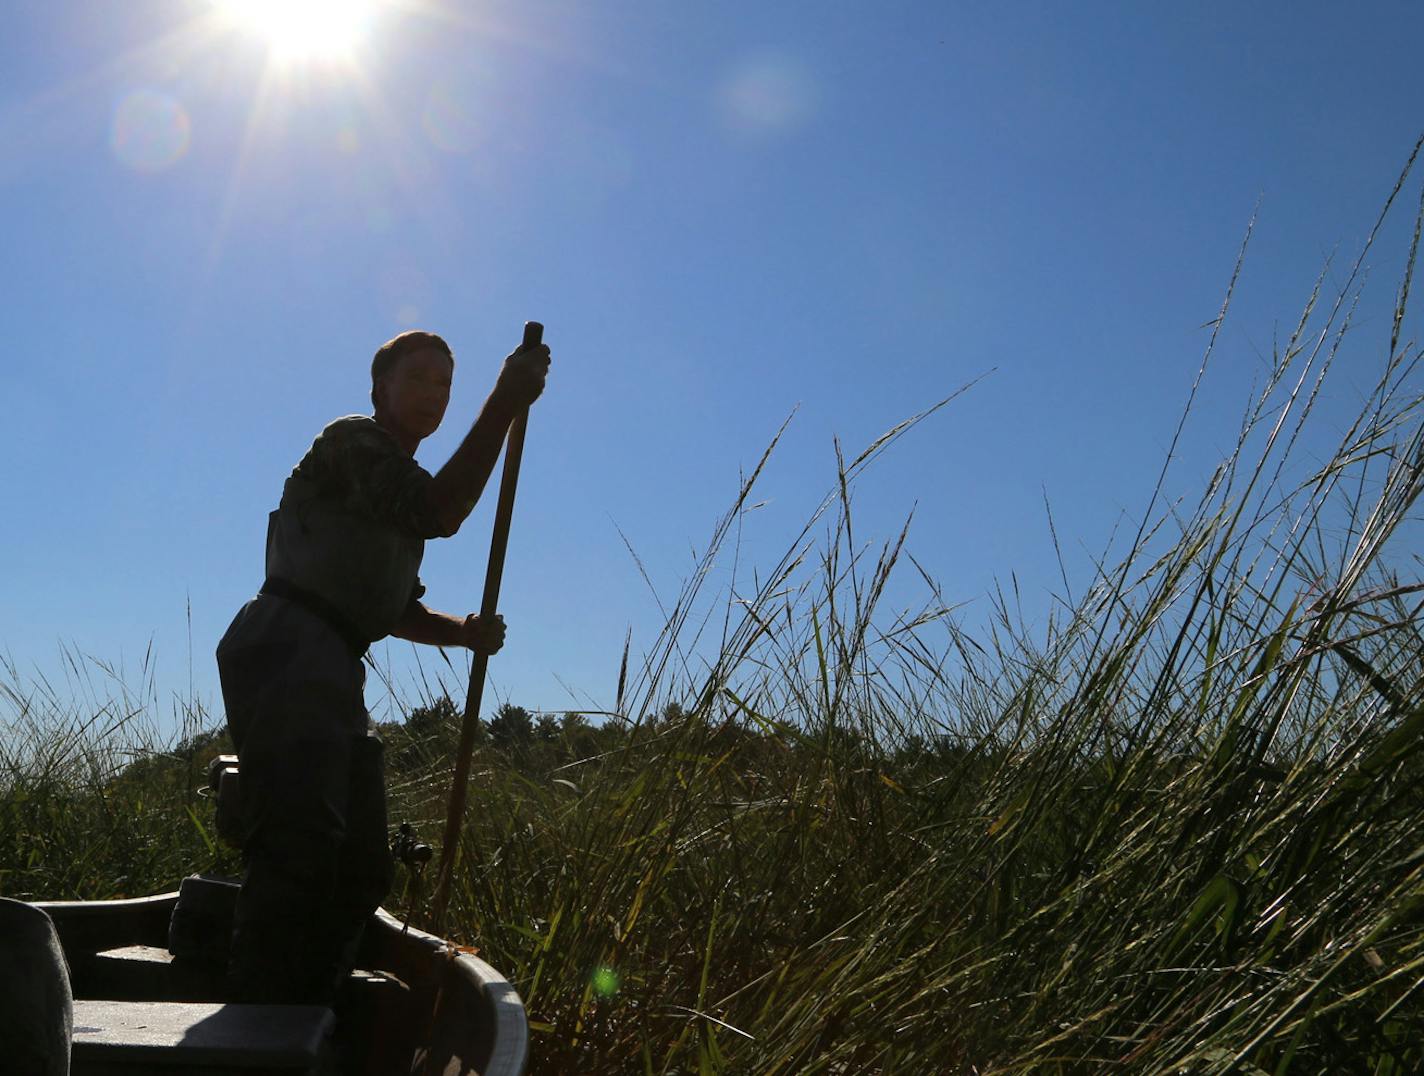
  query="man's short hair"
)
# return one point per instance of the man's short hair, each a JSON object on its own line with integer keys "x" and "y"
{"x": 389, "y": 353}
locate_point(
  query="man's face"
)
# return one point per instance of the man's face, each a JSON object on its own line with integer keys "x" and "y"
{"x": 415, "y": 394}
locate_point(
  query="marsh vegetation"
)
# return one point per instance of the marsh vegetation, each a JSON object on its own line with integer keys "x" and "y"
{"x": 1172, "y": 827}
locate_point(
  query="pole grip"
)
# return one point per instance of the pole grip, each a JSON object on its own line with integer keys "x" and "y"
{"x": 533, "y": 334}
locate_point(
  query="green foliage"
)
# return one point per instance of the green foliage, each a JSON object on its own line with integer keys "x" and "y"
{"x": 511, "y": 727}
{"x": 89, "y": 809}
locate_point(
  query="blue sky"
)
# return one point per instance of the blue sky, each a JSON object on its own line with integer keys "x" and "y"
{"x": 721, "y": 213}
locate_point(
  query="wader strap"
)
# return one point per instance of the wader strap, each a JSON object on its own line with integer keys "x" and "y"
{"x": 323, "y": 609}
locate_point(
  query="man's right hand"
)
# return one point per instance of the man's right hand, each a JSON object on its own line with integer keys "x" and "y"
{"x": 521, "y": 379}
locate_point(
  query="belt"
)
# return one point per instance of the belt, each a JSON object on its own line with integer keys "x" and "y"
{"x": 315, "y": 604}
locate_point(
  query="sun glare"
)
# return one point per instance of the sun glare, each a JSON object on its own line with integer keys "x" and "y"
{"x": 304, "y": 29}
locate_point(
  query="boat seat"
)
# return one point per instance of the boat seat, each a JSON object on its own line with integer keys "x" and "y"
{"x": 124, "y": 1038}
{"x": 146, "y": 973}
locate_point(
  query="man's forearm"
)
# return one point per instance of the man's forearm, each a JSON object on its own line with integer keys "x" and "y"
{"x": 421, "y": 625}
{"x": 458, "y": 484}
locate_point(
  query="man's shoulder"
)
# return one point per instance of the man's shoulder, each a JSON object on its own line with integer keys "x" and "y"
{"x": 355, "y": 430}
{"x": 347, "y": 443}
{"x": 351, "y": 424}
{"x": 356, "y": 461}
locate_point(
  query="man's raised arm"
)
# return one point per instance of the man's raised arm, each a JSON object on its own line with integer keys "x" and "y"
{"x": 458, "y": 484}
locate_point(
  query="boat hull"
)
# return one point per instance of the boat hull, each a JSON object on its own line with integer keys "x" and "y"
{"x": 424, "y": 1006}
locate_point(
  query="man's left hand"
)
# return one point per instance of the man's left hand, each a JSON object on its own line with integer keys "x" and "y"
{"x": 483, "y": 636}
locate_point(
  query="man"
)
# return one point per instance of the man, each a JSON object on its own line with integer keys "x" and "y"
{"x": 343, "y": 551}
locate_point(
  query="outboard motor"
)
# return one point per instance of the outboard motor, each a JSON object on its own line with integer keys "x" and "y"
{"x": 200, "y": 929}
{"x": 224, "y": 788}
{"x": 36, "y": 1005}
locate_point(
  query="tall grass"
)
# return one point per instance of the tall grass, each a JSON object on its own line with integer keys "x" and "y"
{"x": 1175, "y": 829}
{"x": 90, "y": 807}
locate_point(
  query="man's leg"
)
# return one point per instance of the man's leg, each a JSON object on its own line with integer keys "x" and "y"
{"x": 284, "y": 948}
{"x": 312, "y": 802}
{"x": 365, "y": 867}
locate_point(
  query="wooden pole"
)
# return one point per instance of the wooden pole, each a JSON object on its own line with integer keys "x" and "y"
{"x": 489, "y": 607}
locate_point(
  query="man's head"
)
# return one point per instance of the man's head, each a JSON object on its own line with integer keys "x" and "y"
{"x": 410, "y": 383}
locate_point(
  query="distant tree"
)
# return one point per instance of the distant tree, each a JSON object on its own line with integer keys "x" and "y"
{"x": 511, "y": 726}
{"x": 673, "y": 714}
{"x": 428, "y": 733}
{"x": 546, "y": 728}
{"x": 435, "y": 721}
{"x": 186, "y": 763}
{"x": 578, "y": 738}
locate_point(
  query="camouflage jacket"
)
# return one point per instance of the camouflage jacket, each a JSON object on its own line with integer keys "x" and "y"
{"x": 352, "y": 524}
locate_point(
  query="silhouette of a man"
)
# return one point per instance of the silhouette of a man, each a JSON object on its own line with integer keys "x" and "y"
{"x": 343, "y": 553}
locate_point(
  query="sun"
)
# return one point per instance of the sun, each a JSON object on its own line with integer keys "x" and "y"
{"x": 304, "y": 29}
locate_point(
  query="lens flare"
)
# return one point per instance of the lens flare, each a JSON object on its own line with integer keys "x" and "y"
{"x": 605, "y": 981}
{"x": 151, "y": 131}
{"x": 448, "y": 119}
{"x": 768, "y": 94}
{"x": 405, "y": 292}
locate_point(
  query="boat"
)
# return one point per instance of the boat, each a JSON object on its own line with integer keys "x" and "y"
{"x": 148, "y": 983}
{"x": 416, "y": 1004}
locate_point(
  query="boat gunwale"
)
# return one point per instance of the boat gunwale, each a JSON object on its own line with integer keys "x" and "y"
{"x": 506, "y": 1008}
